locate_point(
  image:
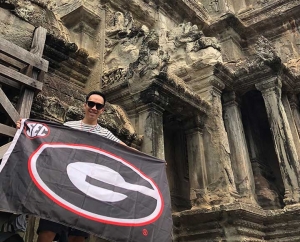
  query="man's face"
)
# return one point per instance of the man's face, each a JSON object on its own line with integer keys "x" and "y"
{"x": 92, "y": 113}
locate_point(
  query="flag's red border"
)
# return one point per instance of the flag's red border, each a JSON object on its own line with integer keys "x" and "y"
{"x": 82, "y": 214}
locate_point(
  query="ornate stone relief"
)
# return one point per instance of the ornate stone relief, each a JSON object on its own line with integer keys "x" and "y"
{"x": 265, "y": 50}
{"x": 264, "y": 56}
{"x": 192, "y": 50}
{"x": 119, "y": 25}
{"x": 151, "y": 61}
{"x": 35, "y": 12}
{"x": 294, "y": 66}
{"x": 112, "y": 77}
{"x": 124, "y": 38}
{"x": 214, "y": 5}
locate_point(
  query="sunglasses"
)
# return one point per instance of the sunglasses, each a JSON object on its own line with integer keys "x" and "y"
{"x": 92, "y": 104}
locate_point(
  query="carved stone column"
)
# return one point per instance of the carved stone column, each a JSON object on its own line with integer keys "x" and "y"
{"x": 151, "y": 127}
{"x": 291, "y": 121}
{"x": 239, "y": 151}
{"x": 196, "y": 160}
{"x": 282, "y": 137}
{"x": 221, "y": 182}
{"x": 294, "y": 103}
{"x": 265, "y": 195}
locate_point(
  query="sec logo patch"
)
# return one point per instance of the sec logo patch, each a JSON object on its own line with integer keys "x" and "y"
{"x": 36, "y": 130}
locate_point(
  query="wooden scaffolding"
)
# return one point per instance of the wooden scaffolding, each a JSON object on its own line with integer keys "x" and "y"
{"x": 21, "y": 72}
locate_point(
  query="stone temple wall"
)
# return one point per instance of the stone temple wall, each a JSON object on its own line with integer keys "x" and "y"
{"x": 210, "y": 86}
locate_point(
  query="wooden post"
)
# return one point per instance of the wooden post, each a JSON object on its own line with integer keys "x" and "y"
{"x": 26, "y": 95}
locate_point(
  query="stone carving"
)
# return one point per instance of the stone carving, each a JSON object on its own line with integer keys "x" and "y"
{"x": 120, "y": 25}
{"x": 265, "y": 50}
{"x": 50, "y": 107}
{"x": 27, "y": 10}
{"x": 265, "y": 56}
{"x": 113, "y": 77}
{"x": 152, "y": 57}
{"x": 186, "y": 33}
{"x": 148, "y": 59}
{"x": 123, "y": 42}
{"x": 294, "y": 66}
{"x": 215, "y": 5}
{"x": 192, "y": 49}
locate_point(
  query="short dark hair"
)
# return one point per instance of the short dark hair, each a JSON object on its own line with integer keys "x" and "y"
{"x": 97, "y": 93}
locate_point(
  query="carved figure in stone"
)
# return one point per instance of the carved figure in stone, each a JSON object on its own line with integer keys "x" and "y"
{"x": 215, "y": 5}
{"x": 114, "y": 76}
{"x": 265, "y": 55}
{"x": 125, "y": 47}
{"x": 128, "y": 23}
{"x": 185, "y": 33}
{"x": 205, "y": 42}
{"x": 118, "y": 24}
{"x": 264, "y": 49}
{"x": 164, "y": 58}
{"x": 294, "y": 65}
{"x": 122, "y": 25}
{"x": 151, "y": 59}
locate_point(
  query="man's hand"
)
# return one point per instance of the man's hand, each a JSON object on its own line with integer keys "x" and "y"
{"x": 122, "y": 143}
{"x": 18, "y": 124}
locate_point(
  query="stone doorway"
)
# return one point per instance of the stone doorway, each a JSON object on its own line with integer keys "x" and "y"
{"x": 177, "y": 162}
{"x": 269, "y": 186}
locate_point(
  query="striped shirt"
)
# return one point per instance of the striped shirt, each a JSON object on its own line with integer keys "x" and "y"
{"x": 95, "y": 129}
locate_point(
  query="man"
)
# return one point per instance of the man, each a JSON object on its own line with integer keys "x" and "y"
{"x": 93, "y": 108}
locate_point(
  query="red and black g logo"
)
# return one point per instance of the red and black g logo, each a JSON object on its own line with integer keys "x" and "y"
{"x": 106, "y": 188}
{"x": 36, "y": 130}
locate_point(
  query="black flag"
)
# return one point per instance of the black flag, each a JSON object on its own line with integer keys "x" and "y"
{"x": 87, "y": 182}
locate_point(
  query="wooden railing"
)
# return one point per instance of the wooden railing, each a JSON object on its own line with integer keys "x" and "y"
{"x": 22, "y": 70}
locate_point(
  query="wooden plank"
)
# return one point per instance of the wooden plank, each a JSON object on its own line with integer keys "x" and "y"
{"x": 26, "y": 95}
{"x": 7, "y": 130}
{"x": 11, "y": 62}
{"x": 8, "y": 107}
{"x": 38, "y": 42}
{"x": 37, "y": 48}
{"x": 9, "y": 82}
{"x": 14, "y": 75}
{"x": 25, "y": 103}
{"x": 22, "y": 55}
{"x": 3, "y": 149}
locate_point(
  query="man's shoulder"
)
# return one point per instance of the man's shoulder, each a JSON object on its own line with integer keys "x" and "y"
{"x": 72, "y": 123}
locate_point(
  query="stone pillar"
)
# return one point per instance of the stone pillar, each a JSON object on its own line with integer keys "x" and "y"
{"x": 221, "y": 182}
{"x": 294, "y": 103}
{"x": 290, "y": 117}
{"x": 239, "y": 151}
{"x": 266, "y": 196}
{"x": 151, "y": 127}
{"x": 282, "y": 137}
{"x": 196, "y": 160}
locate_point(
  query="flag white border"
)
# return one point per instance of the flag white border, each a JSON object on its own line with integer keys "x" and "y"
{"x": 12, "y": 146}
